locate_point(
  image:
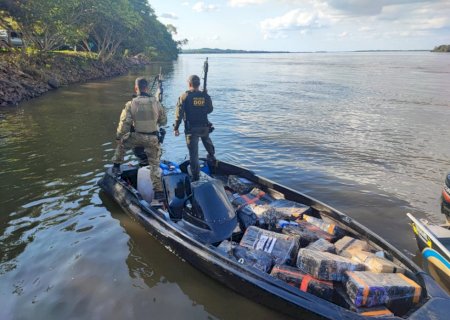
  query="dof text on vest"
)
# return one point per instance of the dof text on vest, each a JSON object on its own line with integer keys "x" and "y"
{"x": 145, "y": 114}
{"x": 195, "y": 107}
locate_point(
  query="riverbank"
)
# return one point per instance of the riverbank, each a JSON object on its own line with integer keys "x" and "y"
{"x": 25, "y": 77}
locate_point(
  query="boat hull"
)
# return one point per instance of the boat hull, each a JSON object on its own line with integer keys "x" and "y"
{"x": 260, "y": 287}
{"x": 436, "y": 261}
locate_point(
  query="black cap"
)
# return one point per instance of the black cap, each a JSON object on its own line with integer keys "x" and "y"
{"x": 141, "y": 83}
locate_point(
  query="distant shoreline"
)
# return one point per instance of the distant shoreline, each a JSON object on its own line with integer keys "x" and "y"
{"x": 224, "y": 51}
{"x": 232, "y": 51}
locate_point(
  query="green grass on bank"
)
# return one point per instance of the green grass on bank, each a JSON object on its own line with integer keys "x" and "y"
{"x": 82, "y": 54}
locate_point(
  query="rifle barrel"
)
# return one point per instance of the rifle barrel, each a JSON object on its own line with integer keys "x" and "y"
{"x": 205, "y": 72}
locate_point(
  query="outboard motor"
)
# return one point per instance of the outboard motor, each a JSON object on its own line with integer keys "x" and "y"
{"x": 208, "y": 213}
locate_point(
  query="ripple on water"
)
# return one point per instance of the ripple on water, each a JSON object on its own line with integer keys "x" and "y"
{"x": 367, "y": 133}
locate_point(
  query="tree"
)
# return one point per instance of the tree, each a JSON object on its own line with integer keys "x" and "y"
{"x": 151, "y": 37}
{"x": 112, "y": 21}
{"x": 108, "y": 27}
{"x": 51, "y": 23}
{"x": 442, "y": 48}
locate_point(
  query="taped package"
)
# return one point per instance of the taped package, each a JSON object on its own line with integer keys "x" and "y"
{"x": 322, "y": 245}
{"x": 375, "y": 263}
{"x": 346, "y": 245}
{"x": 369, "y": 289}
{"x": 325, "y": 265}
{"x": 256, "y": 196}
{"x": 329, "y": 227}
{"x": 239, "y": 184}
{"x": 282, "y": 209}
{"x": 283, "y": 248}
{"x": 255, "y": 258}
{"x": 304, "y": 282}
{"x": 308, "y": 233}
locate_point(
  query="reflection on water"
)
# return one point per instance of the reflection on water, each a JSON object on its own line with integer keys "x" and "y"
{"x": 366, "y": 133}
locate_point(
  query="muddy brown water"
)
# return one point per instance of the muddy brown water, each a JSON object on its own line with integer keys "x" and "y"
{"x": 364, "y": 132}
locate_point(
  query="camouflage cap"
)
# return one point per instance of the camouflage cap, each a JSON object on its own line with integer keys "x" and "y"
{"x": 194, "y": 80}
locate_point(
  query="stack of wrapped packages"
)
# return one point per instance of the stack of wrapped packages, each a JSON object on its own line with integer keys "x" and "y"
{"x": 285, "y": 239}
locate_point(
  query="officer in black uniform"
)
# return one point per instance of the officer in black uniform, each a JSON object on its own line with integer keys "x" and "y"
{"x": 193, "y": 108}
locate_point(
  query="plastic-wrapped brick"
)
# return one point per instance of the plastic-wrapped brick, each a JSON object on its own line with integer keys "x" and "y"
{"x": 325, "y": 265}
{"x": 246, "y": 217}
{"x": 239, "y": 184}
{"x": 369, "y": 289}
{"x": 283, "y": 248}
{"x": 375, "y": 263}
{"x": 329, "y": 227}
{"x": 304, "y": 282}
{"x": 281, "y": 209}
{"x": 345, "y": 245}
{"x": 258, "y": 259}
{"x": 226, "y": 247}
{"x": 322, "y": 245}
{"x": 256, "y": 196}
{"x": 305, "y": 236}
{"x": 308, "y": 233}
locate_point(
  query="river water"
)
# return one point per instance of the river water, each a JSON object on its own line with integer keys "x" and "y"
{"x": 364, "y": 132}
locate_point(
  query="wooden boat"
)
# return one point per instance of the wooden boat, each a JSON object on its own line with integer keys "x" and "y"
{"x": 195, "y": 238}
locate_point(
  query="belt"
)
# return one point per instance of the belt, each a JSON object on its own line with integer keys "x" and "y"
{"x": 154, "y": 133}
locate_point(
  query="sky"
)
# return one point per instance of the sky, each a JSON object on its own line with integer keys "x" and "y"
{"x": 308, "y": 25}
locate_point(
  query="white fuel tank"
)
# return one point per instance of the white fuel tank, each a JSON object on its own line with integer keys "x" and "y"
{"x": 144, "y": 184}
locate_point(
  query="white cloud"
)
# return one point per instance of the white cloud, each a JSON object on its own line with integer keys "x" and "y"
{"x": 215, "y": 37}
{"x": 203, "y": 7}
{"x": 365, "y": 29}
{"x": 370, "y": 7}
{"x": 343, "y": 34}
{"x": 358, "y": 7}
{"x": 418, "y": 16}
{"x": 243, "y": 3}
{"x": 185, "y": 3}
{"x": 295, "y": 20}
{"x": 172, "y": 16}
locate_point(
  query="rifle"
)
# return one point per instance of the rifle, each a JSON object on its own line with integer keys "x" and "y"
{"x": 160, "y": 90}
{"x": 205, "y": 75}
{"x": 159, "y": 96}
{"x": 205, "y": 90}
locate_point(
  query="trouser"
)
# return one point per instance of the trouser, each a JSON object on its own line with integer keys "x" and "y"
{"x": 139, "y": 152}
{"x": 152, "y": 150}
{"x": 192, "y": 138}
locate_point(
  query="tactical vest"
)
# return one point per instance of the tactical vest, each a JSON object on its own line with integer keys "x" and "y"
{"x": 195, "y": 109}
{"x": 145, "y": 114}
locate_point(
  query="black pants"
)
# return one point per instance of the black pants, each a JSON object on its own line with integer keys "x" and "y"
{"x": 192, "y": 139}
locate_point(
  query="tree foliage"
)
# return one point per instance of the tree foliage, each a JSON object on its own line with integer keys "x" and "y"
{"x": 107, "y": 27}
{"x": 442, "y": 48}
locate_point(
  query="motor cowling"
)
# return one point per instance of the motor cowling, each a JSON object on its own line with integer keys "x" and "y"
{"x": 208, "y": 213}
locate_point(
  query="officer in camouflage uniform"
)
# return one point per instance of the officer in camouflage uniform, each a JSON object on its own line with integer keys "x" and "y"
{"x": 193, "y": 108}
{"x": 145, "y": 114}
